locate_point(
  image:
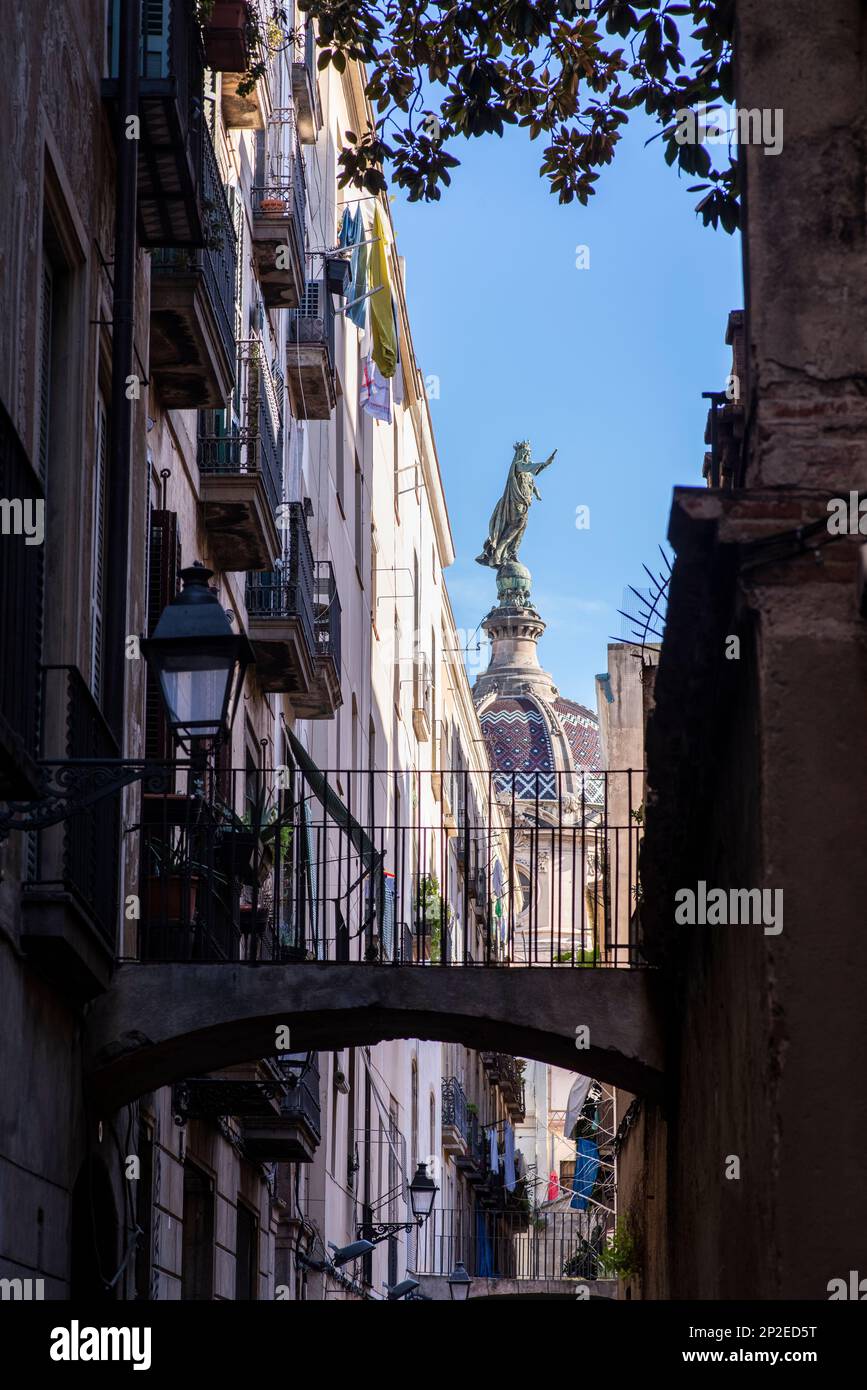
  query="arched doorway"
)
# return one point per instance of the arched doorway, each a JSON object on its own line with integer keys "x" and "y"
{"x": 94, "y": 1234}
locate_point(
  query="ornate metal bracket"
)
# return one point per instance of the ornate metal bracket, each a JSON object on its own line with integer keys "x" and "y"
{"x": 375, "y": 1231}
{"x": 71, "y": 786}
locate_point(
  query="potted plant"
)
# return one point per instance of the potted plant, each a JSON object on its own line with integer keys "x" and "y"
{"x": 172, "y": 886}
{"x": 247, "y": 842}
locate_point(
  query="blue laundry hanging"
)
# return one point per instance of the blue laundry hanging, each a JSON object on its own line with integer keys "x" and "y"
{"x": 586, "y": 1169}
{"x": 351, "y": 233}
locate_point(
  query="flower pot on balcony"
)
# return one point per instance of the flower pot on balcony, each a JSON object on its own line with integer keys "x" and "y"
{"x": 273, "y": 207}
{"x": 171, "y": 897}
{"x": 225, "y": 37}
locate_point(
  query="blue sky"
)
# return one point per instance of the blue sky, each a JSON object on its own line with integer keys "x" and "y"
{"x": 607, "y": 365}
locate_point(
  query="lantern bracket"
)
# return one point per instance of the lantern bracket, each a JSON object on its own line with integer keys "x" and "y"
{"x": 74, "y": 784}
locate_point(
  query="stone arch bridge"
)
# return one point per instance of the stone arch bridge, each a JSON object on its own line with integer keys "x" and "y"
{"x": 159, "y": 1023}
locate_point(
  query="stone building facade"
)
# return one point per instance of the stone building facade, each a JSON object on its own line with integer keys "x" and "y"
{"x": 326, "y": 533}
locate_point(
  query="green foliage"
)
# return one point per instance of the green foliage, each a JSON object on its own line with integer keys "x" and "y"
{"x": 577, "y": 958}
{"x": 436, "y": 73}
{"x": 620, "y": 1258}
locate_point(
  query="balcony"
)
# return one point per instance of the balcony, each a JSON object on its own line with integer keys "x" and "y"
{"x": 305, "y": 87}
{"x": 422, "y": 714}
{"x": 279, "y": 211}
{"x": 325, "y": 697}
{"x": 293, "y": 1134}
{"x": 507, "y": 1244}
{"x": 227, "y": 47}
{"x": 239, "y": 496}
{"x": 507, "y": 1073}
{"x": 70, "y": 897}
{"x": 276, "y": 1102}
{"x": 170, "y": 109}
{"x": 192, "y": 342}
{"x": 454, "y": 1117}
{"x": 310, "y": 355}
{"x": 245, "y": 100}
{"x": 21, "y": 571}
{"x": 280, "y": 615}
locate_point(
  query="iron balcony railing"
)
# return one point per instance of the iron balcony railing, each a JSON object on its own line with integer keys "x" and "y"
{"x": 288, "y": 592}
{"x": 242, "y": 450}
{"x": 300, "y": 1101}
{"x": 327, "y": 612}
{"x": 171, "y": 93}
{"x": 454, "y": 1112}
{"x": 509, "y": 1244}
{"x": 217, "y": 260}
{"x": 21, "y": 574}
{"x": 359, "y": 865}
{"x": 313, "y": 323}
{"x": 81, "y": 855}
{"x": 282, "y": 201}
{"x": 284, "y": 1087}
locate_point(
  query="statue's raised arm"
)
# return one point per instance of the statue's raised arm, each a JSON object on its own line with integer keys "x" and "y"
{"x": 537, "y": 467}
{"x": 509, "y": 518}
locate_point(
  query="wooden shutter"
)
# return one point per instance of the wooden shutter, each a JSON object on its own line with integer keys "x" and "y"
{"x": 97, "y": 565}
{"x": 45, "y": 312}
{"x": 163, "y": 566}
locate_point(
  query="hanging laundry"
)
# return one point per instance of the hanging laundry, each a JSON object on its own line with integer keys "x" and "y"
{"x": 586, "y": 1169}
{"x": 381, "y": 311}
{"x": 352, "y": 233}
{"x": 494, "y": 1151}
{"x": 374, "y": 392}
{"x": 509, "y": 1158}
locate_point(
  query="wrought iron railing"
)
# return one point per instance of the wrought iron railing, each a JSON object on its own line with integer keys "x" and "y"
{"x": 350, "y": 866}
{"x": 327, "y": 612}
{"x": 282, "y": 200}
{"x": 313, "y": 323}
{"x": 217, "y": 260}
{"x": 508, "y": 1244}
{"x": 454, "y": 1106}
{"x": 288, "y": 592}
{"x": 241, "y": 451}
{"x": 171, "y": 53}
{"x": 81, "y": 855}
{"x": 21, "y": 571}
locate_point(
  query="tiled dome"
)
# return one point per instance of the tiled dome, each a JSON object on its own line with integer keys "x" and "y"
{"x": 517, "y": 730}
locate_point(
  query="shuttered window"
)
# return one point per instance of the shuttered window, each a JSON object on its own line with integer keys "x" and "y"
{"x": 163, "y": 567}
{"x": 97, "y": 567}
{"x": 44, "y": 398}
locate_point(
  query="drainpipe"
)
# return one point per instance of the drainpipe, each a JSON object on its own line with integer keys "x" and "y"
{"x": 123, "y": 321}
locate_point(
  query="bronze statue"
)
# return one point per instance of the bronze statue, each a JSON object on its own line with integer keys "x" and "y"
{"x": 509, "y": 518}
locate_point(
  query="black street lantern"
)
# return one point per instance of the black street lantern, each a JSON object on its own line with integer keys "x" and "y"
{"x": 198, "y": 661}
{"x": 422, "y": 1191}
{"x": 459, "y": 1283}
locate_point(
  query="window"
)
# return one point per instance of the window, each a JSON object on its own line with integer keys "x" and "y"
{"x": 395, "y": 435}
{"x": 197, "y": 1251}
{"x": 246, "y": 1254}
{"x": 46, "y": 309}
{"x": 359, "y": 522}
{"x": 339, "y": 478}
{"x": 143, "y": 1202}
{"x": 374, "y": 563}
{"x": 98, "y": 551}
{"x": 413, "y": 1154}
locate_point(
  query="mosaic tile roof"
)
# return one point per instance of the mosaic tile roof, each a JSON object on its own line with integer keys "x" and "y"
{"x": 582, "y": 730}
{"x": 518, "y": 742}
